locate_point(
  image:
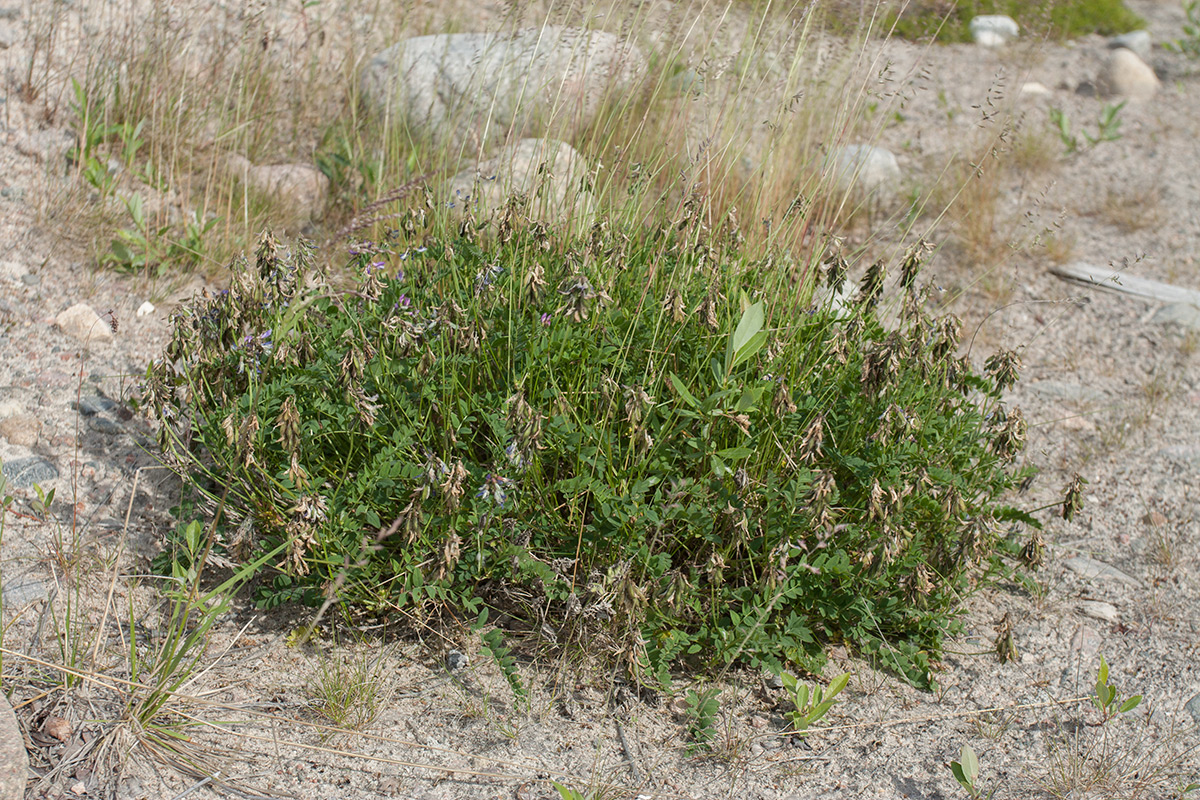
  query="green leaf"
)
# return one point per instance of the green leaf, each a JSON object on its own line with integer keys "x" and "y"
{"x": 682, "y": 391}
{"x": 749, "y": 351}
{"x": 749, "y": 326}
{"x": 735, "y": 453}
{"x": 718, "y": 467}
{"x": 970, "y": 763}
{"x": 1130, "y": 704}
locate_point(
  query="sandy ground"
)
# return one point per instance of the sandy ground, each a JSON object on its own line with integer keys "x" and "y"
{"x": 1110, "y": 389}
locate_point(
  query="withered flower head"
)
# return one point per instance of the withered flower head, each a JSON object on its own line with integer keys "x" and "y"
{"x": 1003, "y": 368}
{"x": 1073, "y": 497}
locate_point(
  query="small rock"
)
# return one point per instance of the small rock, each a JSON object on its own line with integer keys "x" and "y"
{"x": 1137, "y": 41}
{"x": 1086, "y": 641}
{"x": 456, "y": 661}
{"x": 105, "y": 426}
{"x": 1067, "y": 390}
{"x": 1126, "y": 75}
{"x": 1193, "y": 708}
{"x": 300, "y": 188}
{"x": 145, "y": 309}
{"x": 773, "y": 681}
{"x": 1098, "y": 570}
{"x": 994, "y": 30}
{"x": 57, "y": 727}
{"x": 1183, "y": 314}
{"x": 92, "y": 405}
{"x": 21, "y": 429}
{"x": 1035, "y": 89}
{"x": 29, "y": 279}
{"x": 865, "y": 168}
{"x": 1181, "y": 453}
{"x": 1098, "y": 610}
{"x": 25, "y": 472}
{"x": 81, "y": 322}
{"x": 22, "y": 591}
{"x": 14, "y": 761}
{"x": 554, "y": 194}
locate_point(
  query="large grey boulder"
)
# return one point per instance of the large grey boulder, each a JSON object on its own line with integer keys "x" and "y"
{"x": 478, "y": 87}
{"x": 550, "y": 175}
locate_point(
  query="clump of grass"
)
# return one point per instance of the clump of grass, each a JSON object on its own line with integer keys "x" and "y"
{"x": 349, "y": 689}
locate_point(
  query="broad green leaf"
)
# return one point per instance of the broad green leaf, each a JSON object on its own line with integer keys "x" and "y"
{"x": 718, "y": 467}
{"x": 1130, "y": 704}
{"x": 750, "y": 324}
{"x": 970, "y": 763}
{"x": 749, "y": 351}
{"x": 749, "y": 399}
{"x": 838, "y": 683}
{"x": 682, "y": 391}
{"x": 735, "y": 453}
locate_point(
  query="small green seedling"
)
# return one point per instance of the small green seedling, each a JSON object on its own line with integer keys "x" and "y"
{"x": 966, "y": 772}
{"x": 702, "y": 708}
{"x": 1106, "y": 699}
{"x": 811, "y": 702}
{"x": 1108, "y": 127}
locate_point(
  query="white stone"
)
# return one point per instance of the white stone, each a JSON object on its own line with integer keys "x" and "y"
{"x": 554, "y": 194}
{"x": 865, "y": 168}
{"x": 145, "y": 309}
{"x": 477, "y": 87}
{"x": 994, "y": 30}
{"x": 1035, "y": 89}
{"x": 1098, "y": 610}
{"x": 81, "y": 322}
{"x": 300, "y": 188}
{"x": 1137, "y": 41}
{"x": 1126, "y": 75}
{"x": 1098, "y": 570}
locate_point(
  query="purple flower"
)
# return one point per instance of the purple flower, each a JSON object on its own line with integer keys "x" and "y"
{"x": 546, "y": 319}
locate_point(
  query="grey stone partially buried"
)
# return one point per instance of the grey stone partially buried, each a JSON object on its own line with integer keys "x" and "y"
{"x": 549, "y": 174}
{"x": 14, "y": 761}
{"x": 482, "y": 87}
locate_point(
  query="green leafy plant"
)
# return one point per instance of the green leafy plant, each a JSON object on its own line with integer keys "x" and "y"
{"x": 1189, "y": 43}
{"x": 966, "y": 772}
{"x": 702, "y": 708}
{"x": 495, "y": 647}
{"x": 1108, "y": 127}
{"x": 708, "y": 481}
{"x": 810, "y": 703}
{"x": 1106, "y": 698}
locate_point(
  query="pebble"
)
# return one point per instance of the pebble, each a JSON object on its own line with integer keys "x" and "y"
{"x": 994, "y": 30}
{"x": 81, "y": 322}
{"x": 1098, "y": 610}
{"x": 1193, "y": 708}
{"x": 865, "y": 168}
{"x": 1183, "y": 314}
{"x": 456, "y": 661}
{"x": 145, "y": 308}
{"x": 1098, "y": 570}
{"x": 29, "y": 279}
{"x": 25, "y": 472}
{"x": 20, "y": 591}
{"x": 1137, "y": 41}
{"x": 1086, "y": 641}
{"x": 21, "y": 429}
{"x": 105, "y": 426}
{"x": 93, "y": 405}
